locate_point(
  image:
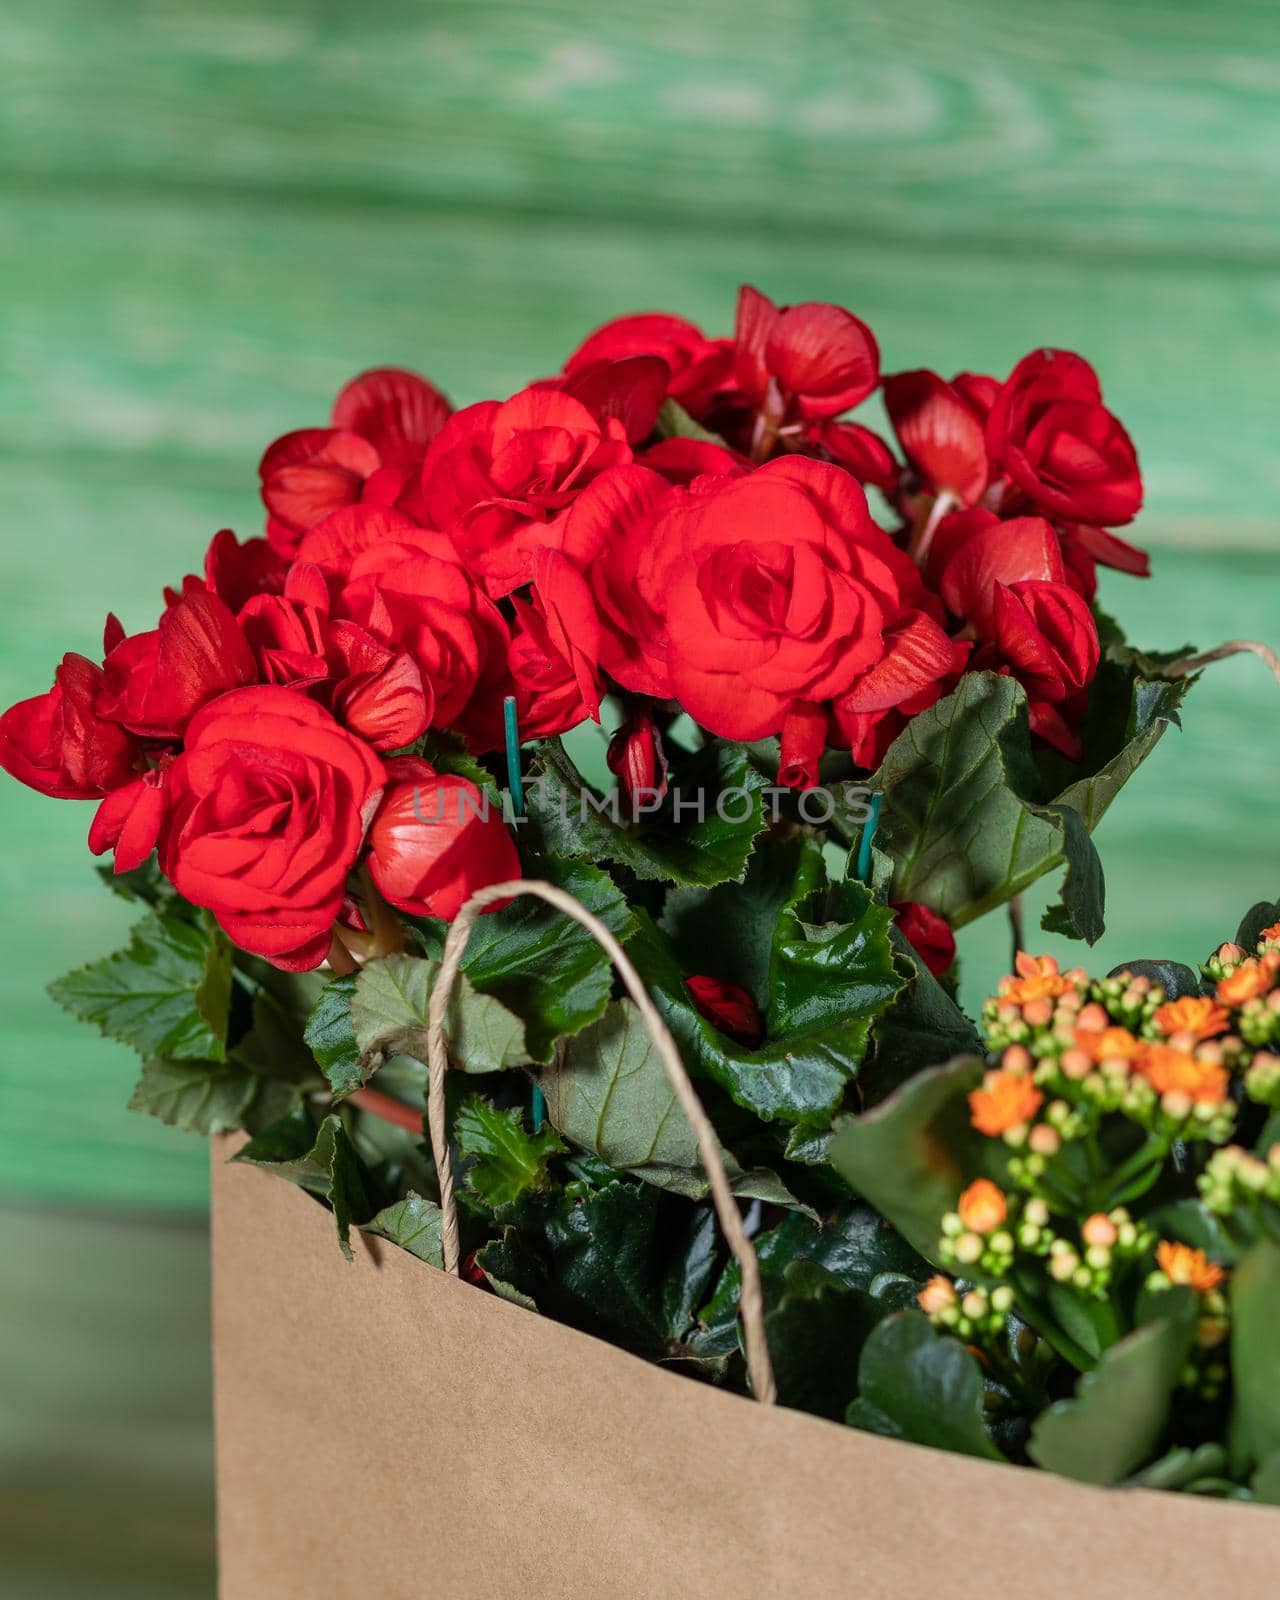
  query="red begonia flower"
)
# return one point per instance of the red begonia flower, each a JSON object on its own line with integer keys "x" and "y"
{"x": 435, "y": 839}
{"x": 267, "y": 810}
{"x": 60, "y": 745}
{"x": 928, "y": 934}
{"x": 728, "y": 1007}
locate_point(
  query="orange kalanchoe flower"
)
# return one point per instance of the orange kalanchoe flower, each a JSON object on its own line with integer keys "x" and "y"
{"x": 1171, "y": 1071}
{"x": 1270, "y": 934}
{"x": 982, "y": 1207}
{"x": 1193, "y": 1014}
{"x": 1183, "y": 1265}
{"x": 1250, "y": 979}
{"x": 1108, "y": 1044}
{"x": 1006, "y": 1100}
{"x": 1038, "y": 979}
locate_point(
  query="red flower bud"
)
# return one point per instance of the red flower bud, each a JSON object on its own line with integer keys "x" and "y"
{"x": 928, "y": 934}
{"x": 637, "y": 760}
{"x": 58, "y": 744}
{"x": 436, "y": 839}
{"x": 728, "y": 1007}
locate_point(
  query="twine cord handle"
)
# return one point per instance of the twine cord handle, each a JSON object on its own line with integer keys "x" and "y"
{"x": 1233, "y": 647}
{"x": 751, "y": 1303}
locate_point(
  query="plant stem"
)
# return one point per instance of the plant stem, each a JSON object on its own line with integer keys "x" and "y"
{"x": 389, "y": 1109}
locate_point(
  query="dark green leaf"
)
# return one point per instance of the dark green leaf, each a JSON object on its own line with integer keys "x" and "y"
{"x": 508, "y": 1161}
{"x": 389, "y": 1017}
{"x": 540, "y": 964}
{"x": 1255, "y": 1354}
{"x": 1079, "y": 914}
{"x": 331, "y": 1036}
{"x": 608, "y": 1092}
{"x": 199, "y": 1096}
{"x": 167, "y": 994}
{"x": 923, "y": 1027}
{"x": 727, "y": 932}
{"x": 831, "y": 974}
{"x": 606, "y": 1263}
{"x": 1175, "y": 979}
{"x": 912, "y": 1155}
{"x": 970, "y": 816}
{"x": 1120, "y": 1409}
{"x": 856, "y": 1245}
{"x": 708, "y": 840}
{"x": 320, "y": 1160}
{"x": 918, "y": 1385}
{"x": 816, "y": 1330}
{"x": 414, "y": 1224}
{"x": 1264, "y": 915}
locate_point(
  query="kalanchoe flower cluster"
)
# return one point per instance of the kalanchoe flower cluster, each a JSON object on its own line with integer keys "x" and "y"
{"x": 675, "y": 519}
{"x": 1096, "y": 1095}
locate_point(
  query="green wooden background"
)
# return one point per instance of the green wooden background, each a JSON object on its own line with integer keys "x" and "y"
{"x": 214, "y": 211}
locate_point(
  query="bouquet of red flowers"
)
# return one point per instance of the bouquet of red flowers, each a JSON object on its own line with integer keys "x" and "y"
{"x": 673, "y": 534}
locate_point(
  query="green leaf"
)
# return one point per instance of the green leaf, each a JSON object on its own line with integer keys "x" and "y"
{"x": 1173, "y": 977}
{"x": 167, "y": 994}
{"x": 708, "y": 840}
{"x": 507, "y": 1160}
{"x": 1120, "y": 1409}
{"x": 1079, "y": 914}
{"x": 815, "y": 1331}
{"x": 414, "y": 1224}
{"x": 674, "y": 422}
{"x": 331, "y": 1036}
{"x": 1266, "y": 1480}
{"x": 542, "y": 965}
{"x": 616, "y": 1263}
{"x": 320, "y": 1160}
{"x": 831, "y": 974}
{"x": 1264, "y": 915}
{"x": 973, "y": 816}
{"x": 727, "y": 931}
{"x": 1178, "y": 1468}
{"x": 145, "y": 884}
{"x": 198, "y": 1096}
{"x": 447, "y": 753}
{"x": 918, "y": 1385}
{"x": 1255, "y": 1354}
{"x": 389, "y": 1018}
{"x": 855, "y": 1245}
{"x": 923, "y": 1027}
{"x": 607, "y": 1092}
{"x": 912, "y": 1154}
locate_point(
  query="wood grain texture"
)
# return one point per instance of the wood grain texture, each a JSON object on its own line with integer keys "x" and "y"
{"x": 211, "y": 215}
{"x": 106, "y": 1453}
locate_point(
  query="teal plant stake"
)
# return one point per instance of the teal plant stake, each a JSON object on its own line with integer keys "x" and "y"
{"x": 867, "y": 839}
{"x": 515, "y": 784}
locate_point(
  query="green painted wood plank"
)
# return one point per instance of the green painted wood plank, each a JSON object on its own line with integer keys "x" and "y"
{"x": 106, "y": 1447}
{"x": 1085, "y": 126}
{"x": 196, "y": 332}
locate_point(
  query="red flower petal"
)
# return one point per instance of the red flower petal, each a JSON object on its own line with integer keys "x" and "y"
{"x": 939, "y": 432}
{"x": 397, "y": 411}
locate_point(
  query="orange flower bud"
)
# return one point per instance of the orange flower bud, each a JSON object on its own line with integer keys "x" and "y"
{"x": 936, "y": 1296}
{"x": 982, "y": 1207}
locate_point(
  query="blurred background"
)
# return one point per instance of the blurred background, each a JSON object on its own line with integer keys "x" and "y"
{"x": 214, "y": 212}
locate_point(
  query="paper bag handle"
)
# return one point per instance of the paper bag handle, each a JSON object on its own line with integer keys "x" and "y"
{"x": 751, "y": 1301}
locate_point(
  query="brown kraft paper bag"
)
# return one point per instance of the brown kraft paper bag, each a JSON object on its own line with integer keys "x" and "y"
{"x": 386, "y": 1431}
